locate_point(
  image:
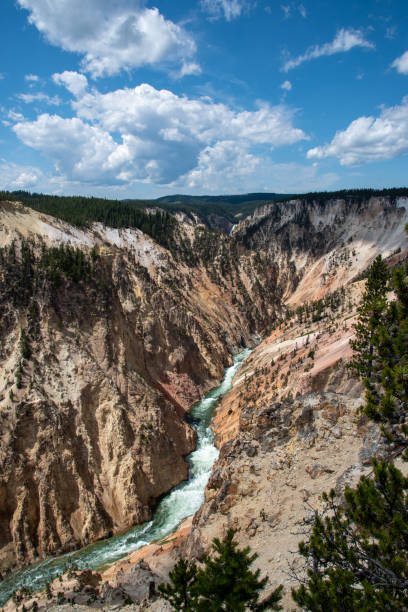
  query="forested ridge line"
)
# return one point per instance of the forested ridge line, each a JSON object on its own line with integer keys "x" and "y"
{"x": 83, "y": 211}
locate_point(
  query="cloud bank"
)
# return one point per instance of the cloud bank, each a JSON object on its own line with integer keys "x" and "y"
{"x": 369, "y": 139}
{"x": 154, "y": 136}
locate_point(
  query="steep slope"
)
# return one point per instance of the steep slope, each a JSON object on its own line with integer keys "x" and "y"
{"x": 104, "y": 345}
{"x": 318, "y": 245}
{"x": 288, "y": 429}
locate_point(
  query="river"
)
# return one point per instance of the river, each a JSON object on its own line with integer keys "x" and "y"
{"x": 182, "y": 501}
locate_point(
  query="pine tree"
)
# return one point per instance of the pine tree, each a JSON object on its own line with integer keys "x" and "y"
{"x": 179, "y": 592}
{"x": 387, "y": 392}
{"x": 24, "y": 345}
{"x": 357, "y": 553}
{"x": 371, "y": 313}
{"x": 225, "y": 583}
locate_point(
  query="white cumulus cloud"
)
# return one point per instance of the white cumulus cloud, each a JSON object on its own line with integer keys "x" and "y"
{"x": 75, "y": 82}
{"x": 14, "y": 176}
{"x": 369, "y": 139}
{"x": 286, "y": 85}
{"x": 401, "y": 63}
{"x": 145, "y": 134}
{"x": 111, "y": 36}
{"x": 230, "y": 9}
{"x": 344, "y": 41}
{"x": 229, "y": 167}
{"x": 188, "y": 68}
{"x": 79, "y": 150}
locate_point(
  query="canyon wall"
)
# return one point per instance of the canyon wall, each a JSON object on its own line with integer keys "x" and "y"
{"x": 320, "y": 244}
{"x": 290, "y": 428}
{"x": 93, "y": 428}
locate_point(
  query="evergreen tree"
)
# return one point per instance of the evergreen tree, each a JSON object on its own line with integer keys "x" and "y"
{"x": 387, "y": 391}
{"x": 225, "y": 583}
{"x": 357, "y": 552}
{"x": 371, "y": 313}
{"x": 179, "y": 592}
{"x": 24, "y": 345}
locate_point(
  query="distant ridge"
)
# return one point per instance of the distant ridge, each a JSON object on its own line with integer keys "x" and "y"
{"x": 217, "y": 212}
{"x": 232, "y": 199}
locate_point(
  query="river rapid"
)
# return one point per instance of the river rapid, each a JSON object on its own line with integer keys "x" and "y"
{"x": 182, "y": 501}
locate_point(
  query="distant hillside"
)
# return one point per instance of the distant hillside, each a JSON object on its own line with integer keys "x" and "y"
{"x": 231, "y": 207}
{"x": 218, "y": 212}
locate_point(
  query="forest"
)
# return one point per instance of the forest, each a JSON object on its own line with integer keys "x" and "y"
{"x": 82, "y": 212}
{"x": 160, "y": 224}
{"x": 23, "y": 270}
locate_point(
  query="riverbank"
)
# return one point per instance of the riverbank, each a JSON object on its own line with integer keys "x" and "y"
{"x": 183, "y": 501}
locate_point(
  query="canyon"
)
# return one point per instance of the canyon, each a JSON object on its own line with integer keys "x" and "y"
{"x": 95, "y": 427}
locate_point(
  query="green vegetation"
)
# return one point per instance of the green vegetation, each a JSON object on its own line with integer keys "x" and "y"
{"x": 352, "y": 195}
{"x": 312, "y": 312}
{"x": 380, "y": 351}
{"x": 161, "y": 225}
{"x": 357, "y": 552}
{"x": 82, "y": 212}
{"x": 24, "y": 345}
{"x": 23, "y": 271}
{"x": 312, "y": 242}
{"x": 371, "y": 313}
{"x": 225, "y": 583}
{"x": 230, "y": 207}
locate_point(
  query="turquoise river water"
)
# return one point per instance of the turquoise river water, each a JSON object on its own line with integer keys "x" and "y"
{"x": 182, "y": 501}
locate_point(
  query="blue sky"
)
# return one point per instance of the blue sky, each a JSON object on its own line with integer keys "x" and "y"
{"x": 130, "y": 98}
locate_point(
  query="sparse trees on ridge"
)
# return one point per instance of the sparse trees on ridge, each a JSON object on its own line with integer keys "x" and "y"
{"x": 357, "y": 552}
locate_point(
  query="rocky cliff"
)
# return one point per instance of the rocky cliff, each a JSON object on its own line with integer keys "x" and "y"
{"x": 290, "y": 429}
{"x": 286, "y": 431}
{"x": 99, "y": 366}
{"x": 320, "y": 244}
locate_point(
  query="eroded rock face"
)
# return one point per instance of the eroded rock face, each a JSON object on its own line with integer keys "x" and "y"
{"x": 318, "y": 245}
{"x": 85, "y": 590}
{"x": 288, "y": 430}
{"x": 88, "y": 443}
{"x": 96, "y": 431}
{"x": 93, "y": 427}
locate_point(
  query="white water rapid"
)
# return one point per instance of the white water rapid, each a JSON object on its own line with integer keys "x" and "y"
{"x": 182, "y": 501}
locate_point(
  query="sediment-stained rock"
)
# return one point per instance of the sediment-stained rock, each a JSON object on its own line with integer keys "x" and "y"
{"x": 100, "y": 435}
{"x": 92, "y": 423}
